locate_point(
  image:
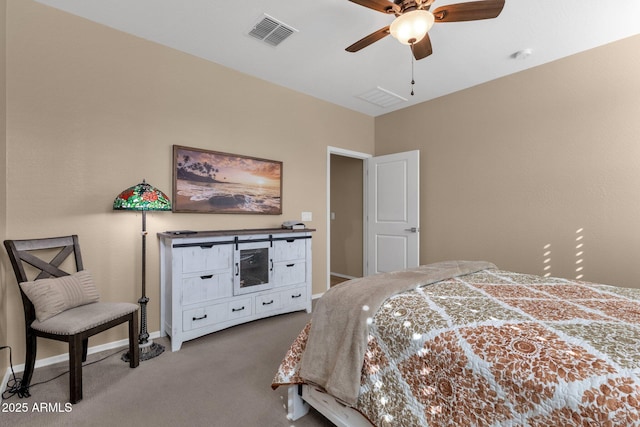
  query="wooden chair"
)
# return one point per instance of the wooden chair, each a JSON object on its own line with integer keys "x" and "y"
{"x": 75, "y": 325}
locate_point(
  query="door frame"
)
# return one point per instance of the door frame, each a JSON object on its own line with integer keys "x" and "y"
{"x": 356, "y": 155}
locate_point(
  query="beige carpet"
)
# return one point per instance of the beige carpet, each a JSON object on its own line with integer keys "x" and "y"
{"x": 222, "y": 379}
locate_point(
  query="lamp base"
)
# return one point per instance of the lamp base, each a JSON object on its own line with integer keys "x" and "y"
{"x": 148, "y": 350}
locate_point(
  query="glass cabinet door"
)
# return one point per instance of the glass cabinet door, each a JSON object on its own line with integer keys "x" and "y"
{"x": 254, "y": 267}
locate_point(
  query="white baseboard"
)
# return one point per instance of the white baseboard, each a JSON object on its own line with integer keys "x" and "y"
{"x": 65, "y": 357}
{"x": 343, "y": 276}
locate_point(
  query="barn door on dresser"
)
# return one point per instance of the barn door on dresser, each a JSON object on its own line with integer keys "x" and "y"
{"x": 393, "y": 212}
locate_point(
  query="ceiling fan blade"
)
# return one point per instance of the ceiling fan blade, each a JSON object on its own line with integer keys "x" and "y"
{"x": 422, "y": 49}
{"x": 371, "y": 38}
{"x": 384, "y": 6}
{"x": 470, "y": 11}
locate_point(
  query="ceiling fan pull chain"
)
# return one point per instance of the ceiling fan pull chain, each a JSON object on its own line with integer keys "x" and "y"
{"x": 412, "y": 80}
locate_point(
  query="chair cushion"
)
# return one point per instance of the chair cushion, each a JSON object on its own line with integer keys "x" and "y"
{"x": 79, "y": 319}
{"x": 54, "y": 295}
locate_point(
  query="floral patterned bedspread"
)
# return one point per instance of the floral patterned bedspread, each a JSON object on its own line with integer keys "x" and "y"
{"x": 497, "y": 348}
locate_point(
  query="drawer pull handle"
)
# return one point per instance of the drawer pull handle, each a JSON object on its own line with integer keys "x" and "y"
{"x": 206, "y": 245}
{"x": 199, "y": 318}
{"x": 206, "y": 277}
{"x": 237, "y": 309}
{"x": 267, "y": 303}
{"x": 290, "y": 265}
{"x": 296, "y": 296}
{"x": 237, "y": 269}
{"x": 291, "y": 240}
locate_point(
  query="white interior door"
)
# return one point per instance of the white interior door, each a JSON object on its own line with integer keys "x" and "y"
{"x": 393, "y": 212}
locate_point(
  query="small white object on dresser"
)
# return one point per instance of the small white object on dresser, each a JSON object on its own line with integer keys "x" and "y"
{"x": 212, "y": 280}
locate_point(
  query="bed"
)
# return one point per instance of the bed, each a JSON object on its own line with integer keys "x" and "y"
{"x": 465, "y": 343}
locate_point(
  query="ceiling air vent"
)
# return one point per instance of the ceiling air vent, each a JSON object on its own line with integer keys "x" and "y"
{"x": 382, "y": 97}
{"x": 271, "y": 31}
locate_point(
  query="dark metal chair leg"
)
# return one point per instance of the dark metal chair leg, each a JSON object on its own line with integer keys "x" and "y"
{"x": 30, "y": 361}
{"x": 75, "y": 369}
{"x": 85, "y": 348}
{"x": 134, "y": 347}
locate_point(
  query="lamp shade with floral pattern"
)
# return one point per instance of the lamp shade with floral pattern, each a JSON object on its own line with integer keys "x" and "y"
{"x": 142, "y": 197}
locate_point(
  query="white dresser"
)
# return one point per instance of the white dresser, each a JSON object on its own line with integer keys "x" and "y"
{"x": 211, "y": 280}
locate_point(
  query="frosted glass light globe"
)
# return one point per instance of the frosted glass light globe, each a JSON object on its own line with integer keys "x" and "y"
{"x": 411, "y": 27}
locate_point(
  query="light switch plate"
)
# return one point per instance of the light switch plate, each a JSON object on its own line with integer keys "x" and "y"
{"x": 306, "y": 216}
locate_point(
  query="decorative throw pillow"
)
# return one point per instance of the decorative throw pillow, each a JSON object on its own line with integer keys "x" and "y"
{"x": 54, "y": 295}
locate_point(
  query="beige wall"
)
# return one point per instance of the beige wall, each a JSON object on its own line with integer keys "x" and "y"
{"x": 4, "y": 360}
{"x": 346, "y": 202}
{"x": 542, "y": 157}
{"x": 92, "y": 111}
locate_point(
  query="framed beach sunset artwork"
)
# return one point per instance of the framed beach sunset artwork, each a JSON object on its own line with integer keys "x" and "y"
{"x": 212, "y": 182}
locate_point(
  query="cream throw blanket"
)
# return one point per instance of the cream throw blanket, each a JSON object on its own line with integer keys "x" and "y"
{"x": 339, "y": 331}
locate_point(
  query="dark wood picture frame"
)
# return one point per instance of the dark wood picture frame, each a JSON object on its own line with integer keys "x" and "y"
{"x": 206, "y": 181}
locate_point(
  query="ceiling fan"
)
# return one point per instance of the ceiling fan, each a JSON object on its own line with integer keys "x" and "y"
{"x": 414, "y": 20}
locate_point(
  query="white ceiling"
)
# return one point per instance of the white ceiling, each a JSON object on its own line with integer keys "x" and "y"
{"x": 313, "y": 60}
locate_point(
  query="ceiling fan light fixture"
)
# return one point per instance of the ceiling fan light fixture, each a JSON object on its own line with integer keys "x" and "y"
{"x": 411, "y": 27}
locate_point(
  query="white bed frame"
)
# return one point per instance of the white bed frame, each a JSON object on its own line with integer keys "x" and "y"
{"x": 303, "y": 396}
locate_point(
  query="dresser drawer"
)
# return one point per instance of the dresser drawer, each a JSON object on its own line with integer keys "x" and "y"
{"x": 284, "y": 250}
{"x": 216, "y": 313}
{"x": 204, "y": 316}
{"x": 206, "y": 257}
{"x": 205, "y": 287}
{"x": 268, "y": 302}
{"x": 289, "y": 273}
{"x": 294, "y": 296}
{"x": 240, "y": 308}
